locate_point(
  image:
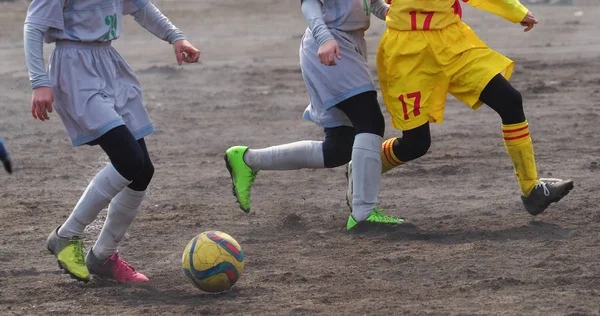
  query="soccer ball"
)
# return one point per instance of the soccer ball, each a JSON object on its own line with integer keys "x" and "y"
{"x": 213, "y": 261}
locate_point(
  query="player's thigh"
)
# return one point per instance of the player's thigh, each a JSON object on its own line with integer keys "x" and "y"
{"x": 473, "y": 70}
{"x": 81, "y": 98}
{"x": 85, "y": 114}
{"x": 316, "y": 111}
{"x": 329, "y": 85}
{"x": 335, "y": 84}
{"x": 412, "y": 84}
{"x": 136, "y": 117}
{"x": 129, "y": 103}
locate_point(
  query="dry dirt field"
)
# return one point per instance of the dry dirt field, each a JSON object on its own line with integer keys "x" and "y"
{"x": 473, "y": 249}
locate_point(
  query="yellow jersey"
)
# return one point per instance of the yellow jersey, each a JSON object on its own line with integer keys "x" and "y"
{"x": 422, "y": 15}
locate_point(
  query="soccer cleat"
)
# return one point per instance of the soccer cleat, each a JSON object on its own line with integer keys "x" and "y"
{"x": 5, "y": 158}
{"x": 242, "y": 175}
{"x": 69, "y": 253}
{"x": 377, "y": 218}
{"x": 113, "y": 268}
{"x": 546, "y": 192}
{"x": 349, "y": 180}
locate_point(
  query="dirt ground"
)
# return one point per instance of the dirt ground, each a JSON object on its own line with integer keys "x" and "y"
{"x": 473, "y": 249}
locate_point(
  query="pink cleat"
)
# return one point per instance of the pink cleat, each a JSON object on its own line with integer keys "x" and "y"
{"x": 114, "y": 268}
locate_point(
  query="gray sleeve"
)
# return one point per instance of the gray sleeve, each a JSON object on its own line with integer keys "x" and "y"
{"x": 150, "y": 18}
{"x": 34, "y": 54}
{"x": 311, "y": 9}
{"x": 379, "y": 8}
{"x": 132, "y": 6}
{"x": 47, "y": 13}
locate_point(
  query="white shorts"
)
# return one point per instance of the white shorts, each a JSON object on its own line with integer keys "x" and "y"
{"x": 329, "y": 85}
{"x": 95, "y": 90}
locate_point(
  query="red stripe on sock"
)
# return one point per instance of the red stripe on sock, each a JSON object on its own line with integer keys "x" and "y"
{"x": 386, "y": 153}
{"x": 516, "y": 137}
{"x": 394, "y": 159}
{"x": 515, "y": 130}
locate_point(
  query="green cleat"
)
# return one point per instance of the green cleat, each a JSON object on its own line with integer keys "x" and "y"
{"x": 69, "y": 253}
{"x": 241, "y": 175}
{"x": 377, "y": 218}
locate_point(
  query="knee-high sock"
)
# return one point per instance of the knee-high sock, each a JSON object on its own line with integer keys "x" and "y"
{"x": 105, "y": 185}
{"x": 292, "y": 156}
{"x": 520, "y": 149}
{"x": 366, "y": 174}
{"x": 121, "y": 212}
{"x": 389, "y": 160}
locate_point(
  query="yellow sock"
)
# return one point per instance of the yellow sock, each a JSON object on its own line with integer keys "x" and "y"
{"x": 520, "y": 149}
{"x": 389, "y": 160}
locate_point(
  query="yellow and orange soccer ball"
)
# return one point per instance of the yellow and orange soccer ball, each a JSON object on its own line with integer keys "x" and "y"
{"x": 213, "y": 261}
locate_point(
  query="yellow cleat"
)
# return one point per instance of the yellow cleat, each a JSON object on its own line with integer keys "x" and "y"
{"x": 69, "y": 253}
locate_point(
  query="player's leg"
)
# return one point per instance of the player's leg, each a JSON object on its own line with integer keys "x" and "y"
{"x": 103, "y": 259}
{"x": 480, "y": 75}
{"x": 129, "y": 149}
{"x": 396, "y": 151}
{"x": 323, "y": 84}
{"x": 244, "y": 163}
{"x": 127, "y": 161}
{"x": 507, "y": 102}
{"x": 5, "y": 157}
{"x": 414, "y": 89}
{"x": 333, "y": 152}
{"x": 413, "y": 144}
{"x": 126, "y": 157}
{"x": 365, "y": 114}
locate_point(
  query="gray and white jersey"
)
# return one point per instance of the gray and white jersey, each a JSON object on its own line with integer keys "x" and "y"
{"x": 82, "y": 21}
{"x": 39, "y": 27}
{"x": 347, "y": 15}
{"x": 342, "y": 15}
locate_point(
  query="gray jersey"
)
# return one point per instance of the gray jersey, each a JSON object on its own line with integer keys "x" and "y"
{"x": 347, "y": 15}
{"x": 82, "y": 21}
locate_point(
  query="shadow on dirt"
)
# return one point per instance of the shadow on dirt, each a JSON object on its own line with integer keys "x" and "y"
{"x": 534, "y": 230}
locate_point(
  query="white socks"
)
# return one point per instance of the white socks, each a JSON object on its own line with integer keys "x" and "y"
{"x": 366, "y": 174}
{"x": 366, "y": 166}
{"x": 121, "y": 212}
{"x": 298, "y": 155}
{"x": 105, "y": 185}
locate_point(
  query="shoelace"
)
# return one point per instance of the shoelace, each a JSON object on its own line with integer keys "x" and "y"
{"x": 78, "y": 251}
{"x": 545, "y": 187}
{"x": 381, "y": 214}
{"x": 122, "y": 264}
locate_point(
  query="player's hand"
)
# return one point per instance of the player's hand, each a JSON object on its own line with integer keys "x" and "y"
{"x": 41, "y": 103}
{"x": 185, "y": 52}
{"x": 328, "y": 52}
{"x": 529, "y": 22}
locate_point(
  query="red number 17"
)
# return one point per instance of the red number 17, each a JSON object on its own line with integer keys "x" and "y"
{"x": 426, "y": 23}
{"x": 417, "y": 104}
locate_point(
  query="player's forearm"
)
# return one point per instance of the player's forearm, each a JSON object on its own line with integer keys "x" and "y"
{"x": 311, "y": 9}
{"x": 511, "y": 10}
{"x": 150, "y": 18}
{"x": 379, "y": 8}
{"x": 34, "y": 54}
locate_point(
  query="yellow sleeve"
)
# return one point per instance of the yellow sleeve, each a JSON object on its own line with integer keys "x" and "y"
{"x": 511, "y": 10}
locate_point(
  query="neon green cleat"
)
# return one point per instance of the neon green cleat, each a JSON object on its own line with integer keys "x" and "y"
{"x": 377, "y": 218}
{"x": 69, "y": 253}
{"x": 242, "y": 176}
